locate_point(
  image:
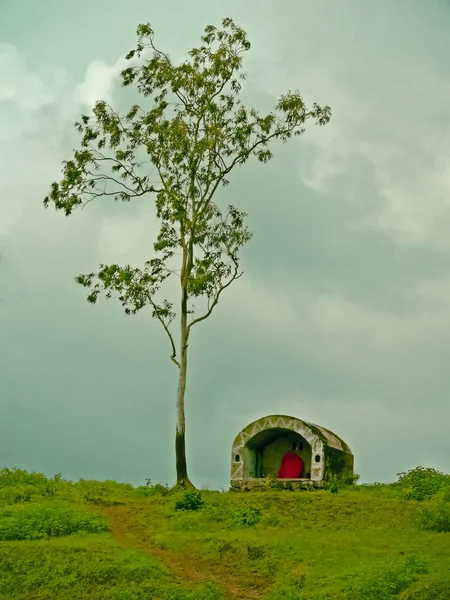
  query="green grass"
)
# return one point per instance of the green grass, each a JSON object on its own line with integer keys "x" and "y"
{"x": 93, "y": 568}
{"x": 362, "y": 543}
{"x": 332, "y": 539}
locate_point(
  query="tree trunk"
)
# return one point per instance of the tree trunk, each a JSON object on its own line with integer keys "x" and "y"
{"x": 180, "y": 437}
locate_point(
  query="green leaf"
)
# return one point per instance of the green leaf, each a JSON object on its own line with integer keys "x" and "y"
{"x": 175, "y": 149}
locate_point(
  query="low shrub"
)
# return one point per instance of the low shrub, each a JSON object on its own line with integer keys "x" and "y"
{"x": 422, "y": 483}
{"x": 39, "y": 522}
{"x": 18, "y": 485}
{"x": 104, "y": 493}
{"x": 347, "y": 478}
{"x": 191, "y": 500}
{"x": 443, "y": 494}
{"x": 334, "y": 486}
{"x": 435, "y": 517}
{"x": 342, "y": 480}
{"x": 22, "y": 493}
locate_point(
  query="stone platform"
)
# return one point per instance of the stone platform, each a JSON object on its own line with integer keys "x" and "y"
{"x": 275, "y": 483}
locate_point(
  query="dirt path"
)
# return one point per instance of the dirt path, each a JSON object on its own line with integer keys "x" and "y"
{"x": 184, "y": 567}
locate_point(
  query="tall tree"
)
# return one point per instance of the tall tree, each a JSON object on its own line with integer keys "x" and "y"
{"x": 194, "y": 134}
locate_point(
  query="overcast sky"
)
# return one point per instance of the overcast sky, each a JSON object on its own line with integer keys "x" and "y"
{"x": 342, "y": 316}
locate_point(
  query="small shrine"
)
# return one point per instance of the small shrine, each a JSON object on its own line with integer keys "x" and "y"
{"x": 295, "y": 453}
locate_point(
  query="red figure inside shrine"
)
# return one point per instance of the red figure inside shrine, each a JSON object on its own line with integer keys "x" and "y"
{"x": 291, "y": 466}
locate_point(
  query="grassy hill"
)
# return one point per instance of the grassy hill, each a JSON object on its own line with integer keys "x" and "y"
{"x": 105, "y": 540}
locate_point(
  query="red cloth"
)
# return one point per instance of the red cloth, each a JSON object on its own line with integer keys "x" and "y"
{"x": 291, "y": 466}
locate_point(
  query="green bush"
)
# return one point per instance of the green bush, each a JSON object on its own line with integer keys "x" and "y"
{"x": 246, "y": 517}
{"x": 348, "y": 478}
{"x": 15, "y": 477}
{"x": 191, "y": 500}
{"x": 39, "y": 522}
{"x": 342, "y": 480}
{"x": 443, "y": 494}
{"x": 435, "y": 518}
{"x": 334, "y": 486}
{"x": 106, "y": 493}
{"x": 17, "y": 485}
{"x": 22, "y": 493}
{"x": 422, "y": 483}
{"x": 389, "y": 583}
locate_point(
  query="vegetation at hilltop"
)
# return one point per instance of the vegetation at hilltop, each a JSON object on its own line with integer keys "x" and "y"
{"x": 108, "y": 540}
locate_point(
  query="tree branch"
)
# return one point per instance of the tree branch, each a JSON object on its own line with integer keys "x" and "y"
{"x": 216, "y": 299}
{"x": 166, "y": 329}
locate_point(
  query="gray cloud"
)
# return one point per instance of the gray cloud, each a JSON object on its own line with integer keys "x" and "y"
{"x": 342, "y": 315}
